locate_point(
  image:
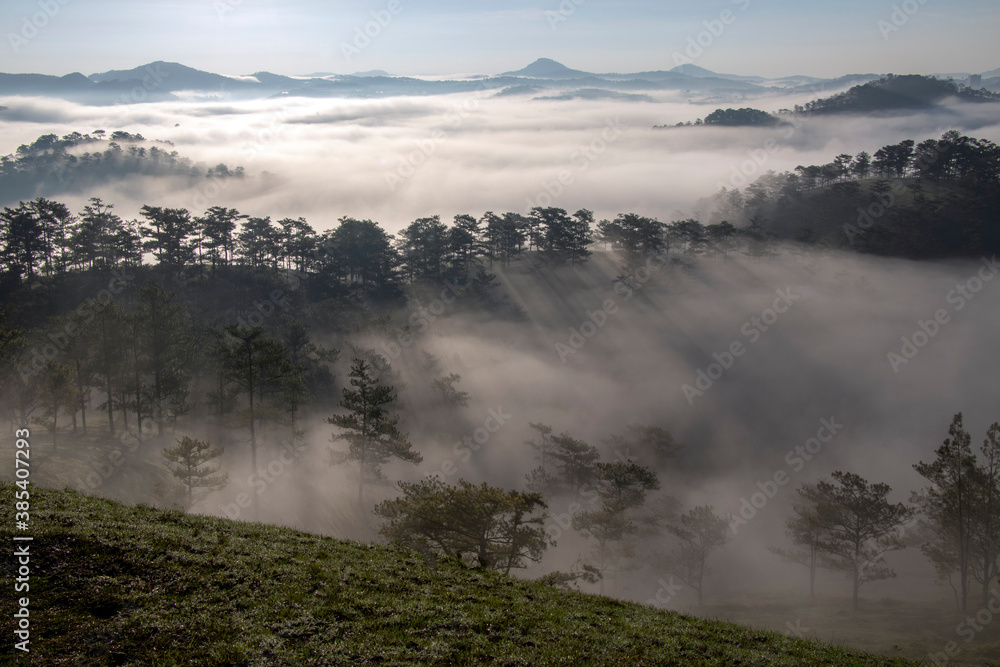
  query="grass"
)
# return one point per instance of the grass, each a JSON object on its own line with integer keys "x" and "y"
{"x": 910, "y": 628}
{"x": 113, "y": 584}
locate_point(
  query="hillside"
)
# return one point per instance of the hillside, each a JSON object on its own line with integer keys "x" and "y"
{"x": 76, "y": 162}
{"x": 113, "y": 584}
{"x": 896, "y": 93}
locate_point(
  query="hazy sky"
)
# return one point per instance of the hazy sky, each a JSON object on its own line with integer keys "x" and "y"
{"x": 767, "y": 37}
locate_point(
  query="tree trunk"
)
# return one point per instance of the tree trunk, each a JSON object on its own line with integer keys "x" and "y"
{"x": 82, "y": 403}
{"x": 857, "y": 585}
{"x": 124, "y": 410}
{"x": 111, "y": 402}
{"x": 361, "y": 480}
{"x": 812, "y": 573}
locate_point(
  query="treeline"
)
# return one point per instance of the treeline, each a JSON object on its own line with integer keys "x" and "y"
{"x": 56, "y": 164}
{"x": 896, "y": 92}
{"x": 44, "y": 239}
{"x": 936, "y": 198}
{"x": 745, "y": 117}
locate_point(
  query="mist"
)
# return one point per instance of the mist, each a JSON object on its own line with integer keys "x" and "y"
{"x": 396, "y": 159}
{"x": 821, "y": 333}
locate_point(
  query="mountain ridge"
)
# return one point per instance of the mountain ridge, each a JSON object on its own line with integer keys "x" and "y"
{"x": 162, "y": 81}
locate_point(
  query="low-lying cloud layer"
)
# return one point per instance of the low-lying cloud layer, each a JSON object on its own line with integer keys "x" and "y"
{"x": 396, "y": 159}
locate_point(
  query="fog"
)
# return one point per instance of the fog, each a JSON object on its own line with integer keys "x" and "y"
{"x": 825, "y": 360}
{"x": 826, "y": 357}
{"x": 396, "y": 159}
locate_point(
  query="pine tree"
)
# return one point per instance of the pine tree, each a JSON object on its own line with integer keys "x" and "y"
{"x": 622, "y": 488}
{"x": 372, "y": 435}
{"x": 169, "y": 236}
{"x": 700, "y": 531}
{"x": 164, "y": 355}
{"x": 858, "y": 526}
{"x": 948, "y": 504}
{"x": 489, "y": 527}
{"x": 256, "y": 365}
{"x": 190, "y": 457}
{"x": 57, "y": 392}
{"x": 806, "y": 533}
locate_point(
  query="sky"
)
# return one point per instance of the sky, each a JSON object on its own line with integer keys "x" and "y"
{"x": 770, "y": 38}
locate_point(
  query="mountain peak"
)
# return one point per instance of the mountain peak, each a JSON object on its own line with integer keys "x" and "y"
{"x": 546, "y": 68}
{"x": 690, "y": 69}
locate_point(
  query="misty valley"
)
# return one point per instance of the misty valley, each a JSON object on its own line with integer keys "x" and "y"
{"x": 421, "y": 366}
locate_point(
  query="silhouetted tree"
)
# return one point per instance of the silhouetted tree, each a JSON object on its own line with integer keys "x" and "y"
{"x": 700, "y": 531}
{"x": 483, "y": 525}
{"x": 190, "y": 459}
{"x": 169, "y": 236}
{"x": 858, "y": 525}
{"x": 622, "y": 488}
{"x": 373, "y": 436}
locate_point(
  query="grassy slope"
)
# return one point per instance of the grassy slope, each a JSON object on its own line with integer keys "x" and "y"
{"x": 114, "y": 584}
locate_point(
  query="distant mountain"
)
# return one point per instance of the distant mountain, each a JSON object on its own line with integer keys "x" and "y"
{"x": 78, "y": 88}
{"x": 690, "y": 69}
{"x": 166, "y": 81}
{"x": 992, "y": 74}
{"x": 546, "y": 68}
{"x": 275, "y": 81}
{"x": 172, "y": 77}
